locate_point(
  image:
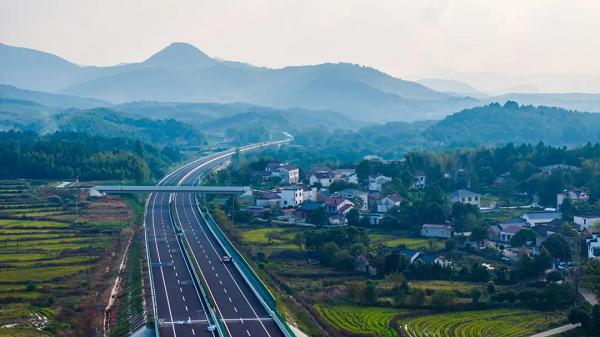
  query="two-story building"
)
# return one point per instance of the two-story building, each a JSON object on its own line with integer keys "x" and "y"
{"x": 543, "y": 217}
{"x": 593, "y": 246}
{"x": 376, "y": 182}
{"x": 419, "y": 180}
{"x": 291, "y": 196}
{"x": 324, "y": 178}
{"x": 389, "y": 202}
{"x": 466, "y": 197}
{"x": 353, "y": 194}
{"x": 586, "y": 221}
{"x": 574, "y": 194}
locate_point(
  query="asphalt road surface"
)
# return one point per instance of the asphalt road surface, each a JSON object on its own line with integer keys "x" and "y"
{"x": 180, "y": 306}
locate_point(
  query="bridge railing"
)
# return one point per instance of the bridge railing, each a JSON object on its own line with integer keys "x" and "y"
{"x": 256, "y": 284}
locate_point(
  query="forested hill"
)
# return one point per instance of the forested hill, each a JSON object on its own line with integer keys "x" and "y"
{"x": 499, "y": 124}
{"x": 68, "y": 155}
{"x": 27, "y": 115}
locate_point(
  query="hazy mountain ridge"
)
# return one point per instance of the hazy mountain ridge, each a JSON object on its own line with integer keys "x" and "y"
{"x": 183, "y": 73}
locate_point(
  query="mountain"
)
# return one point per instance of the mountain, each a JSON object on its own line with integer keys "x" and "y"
{"x": 36, "y": 70}
{"x": 50, "y": 100}
{"x": 219, "y": 117}
{"x": 573, "y": 101}
{"x": 494, "y": 123}
{"x": 18, "y": 114}
{"x": 182, "y": 73}
{"x": 452, "y": 87}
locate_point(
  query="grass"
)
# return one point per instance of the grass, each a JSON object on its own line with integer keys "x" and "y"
{"x": 368, "y": 320}
{"x": 485, "y": 323}
{"x": 410, "y": 243}
{"x": 489, "y": 323}
{"x": 446, "y": 285}
{"x": 260, "y": 235}
{"x": 9, "y": 224}
{"x": 40, "y": 274}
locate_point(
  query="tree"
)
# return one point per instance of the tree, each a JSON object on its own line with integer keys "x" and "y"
{"x": 442, "y": 299}
{"x": 370, "y": 294}
{"x": 450, "y": 245}
{"x": 475, "y": 296}
{"x": 417, "y": 297}
{"x": 558, "y": 247}
{"x": 328, "y": 252}
{"x": 319, "y": 217}
{"x": 353, "y": 217}
{"x": 522, "y": 237}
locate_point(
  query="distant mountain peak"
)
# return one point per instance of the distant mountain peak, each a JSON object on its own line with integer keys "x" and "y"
{"x": 180, "y": 56}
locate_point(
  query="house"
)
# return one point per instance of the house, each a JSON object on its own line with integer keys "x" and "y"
{"x": 272, "y": 166}
{"x": 375, "y": 218}
{"x": 544, "y": 230}
{"x": 495, "y": 232}
{"x": 536, "y": 218}
{"x": 466, "y": 197}
{"x": 373, "y": 157}
{"x": 376, "y": 182}
{"x": 574, "y": 194}
{"x": 307, "y": 208}
{"x": 586, "y": 221}
{"x": 389, "y": 202}
{"x": 548, "y": 169}
{"x": 337, "y": 204}
{"x": 266, "y": 198}
{"x": 593, "y": 246}
{"x": 419, "y": 180}
{"x": 508, "y": 232}
{"x": 324, "y": 178}
{"x": 291, "y": 196}
{"x": 289, "y": 173}
{"x": 437, "y": 230}
{"x": 415, "y": 255}
{"x": 501, "y": 179}
{"x": 353, "y": 194}
{"x": 348, "y": 175}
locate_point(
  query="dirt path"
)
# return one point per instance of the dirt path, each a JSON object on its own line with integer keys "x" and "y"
{"x": 115, "y": 289}
{"x": 589, "y": 296}
{"x": 555, "y": 331}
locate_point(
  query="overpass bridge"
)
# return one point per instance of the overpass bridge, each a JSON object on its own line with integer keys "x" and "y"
{"x": 172, "y": 189}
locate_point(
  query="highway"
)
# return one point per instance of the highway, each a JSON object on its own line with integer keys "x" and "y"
{"x": 180, "y": 307}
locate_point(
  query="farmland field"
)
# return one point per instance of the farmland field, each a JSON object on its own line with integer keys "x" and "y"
{"x": 50, "y": 261}
{"x": 373, "y": 321}
{"x": 484, "y": 323}
{"x": 423, "y": 244}
{"x": 501, "y": 323}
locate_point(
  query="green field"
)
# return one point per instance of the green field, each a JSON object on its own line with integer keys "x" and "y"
{"x": 484, "y": 323}
{"x": 423, "y": 244}
{"x": 446, "y": 285}
{"x": 372, "y": 321}
{"x": 488, "y": 323}
{"x": 44, "y": 263}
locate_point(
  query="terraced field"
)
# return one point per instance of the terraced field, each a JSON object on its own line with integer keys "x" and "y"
{"x": 46, "y": 258}
{"x": 488, "y": 323}
{"x": 422, "y": 244}
{"x": 485, "y": 323}
{"x": 372, "y": 321}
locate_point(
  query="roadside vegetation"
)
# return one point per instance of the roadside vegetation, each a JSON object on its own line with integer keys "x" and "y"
{"x": 56, "y": 261}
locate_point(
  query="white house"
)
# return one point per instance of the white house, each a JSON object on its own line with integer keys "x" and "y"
{"x": 325, "y": 178}
{"x": 593, "y": 246}
{"x": 291, "y": 196}
{"x": 289, "y": 173}
{"x": 266, "y": 199}
{"x": 536, "y": 218}
{"x": 389, "y": 202}
{"x": 352, "y": 194}
{"x": 466, "y": 197}
{"x": 586, "y": 221}
{"x": 376, "y": 182}
{"x": 575, "y": 194}
{"x": 437, "y": 231}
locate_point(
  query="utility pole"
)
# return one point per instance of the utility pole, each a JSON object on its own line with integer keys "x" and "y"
{"x": 76, "y": 208}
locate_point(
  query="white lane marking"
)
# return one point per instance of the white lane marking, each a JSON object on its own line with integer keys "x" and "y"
{"x": 193, "y": 332}
{"x": 186, "y": 308}
{"x": 183, "y": 297}
{"x": 235, "y": 308}
{"x": 227, "y": 269}
{"x": 161, "y": 269}
{"x": 225, "y": 290}
{"x": 248, "y": 332}
{"x": 229, "y": 299}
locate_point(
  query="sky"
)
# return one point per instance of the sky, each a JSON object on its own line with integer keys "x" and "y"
{"x": 497, "y": 46}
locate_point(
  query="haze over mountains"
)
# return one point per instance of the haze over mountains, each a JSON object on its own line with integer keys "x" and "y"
{"x": 183, "y": 73}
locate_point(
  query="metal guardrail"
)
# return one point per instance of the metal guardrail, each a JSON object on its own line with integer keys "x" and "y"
{"x": 258, "y": 287}
{"x": 152, "y": 290}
